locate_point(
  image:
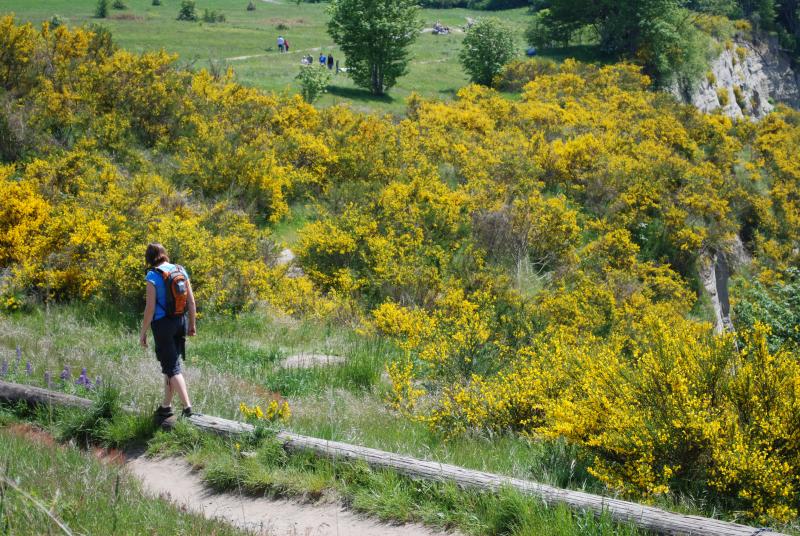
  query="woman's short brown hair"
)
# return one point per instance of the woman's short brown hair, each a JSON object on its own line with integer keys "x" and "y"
{"x": 155, "y": 254}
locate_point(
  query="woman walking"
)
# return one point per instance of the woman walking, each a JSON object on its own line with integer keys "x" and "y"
{"x": 168, "y": 301}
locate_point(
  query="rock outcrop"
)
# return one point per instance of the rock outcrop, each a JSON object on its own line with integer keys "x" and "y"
{"x": 747, "y": 80}
{"x": 714, "y": 270}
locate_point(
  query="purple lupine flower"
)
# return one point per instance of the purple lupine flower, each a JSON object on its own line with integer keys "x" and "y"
{"x": 83, "y": 379}
{"x": 47, "y": 378}
{"x": 4, "y": 368}
{"x": 65, "y": 374}
{"x": 28, "y": 368}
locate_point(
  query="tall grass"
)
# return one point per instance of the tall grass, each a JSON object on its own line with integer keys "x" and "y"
{"x": 44, "y": 484}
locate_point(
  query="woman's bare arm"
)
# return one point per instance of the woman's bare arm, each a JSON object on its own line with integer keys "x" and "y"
{"x": 149, "y": 309}
{"x": 191, "y": 329}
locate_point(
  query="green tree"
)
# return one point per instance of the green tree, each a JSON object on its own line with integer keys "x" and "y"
{"x": 374, "y": 36}
{"x": 488, "y": 45}
{"x": 101, "y": 11}
{"x": 187, "y": 11}
{"x": 658, "y": 33}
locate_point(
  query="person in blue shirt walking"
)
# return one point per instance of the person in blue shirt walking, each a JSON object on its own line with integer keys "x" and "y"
{"x": 169, "y": 330}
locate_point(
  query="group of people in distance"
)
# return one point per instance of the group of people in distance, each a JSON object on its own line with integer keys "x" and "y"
{"x": 283, "y": 44}
{"x": 325, "y": 60}
{"x": 440, "y": 29}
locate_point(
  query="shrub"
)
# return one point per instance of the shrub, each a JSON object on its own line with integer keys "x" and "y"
{"x": 313, "y": 82}
{"x": 711, "y": 78}
{"x": 187, "y": 11}
{"x": 776, "y": 306}
{"x": 741, "y": 53}
{"x": 487, "y": 47}
{"x": 119, "y": 4}
{"x": 156, "y": 2}
{"x": 740, "y": 98}
{"x": 213, "y": 16}
{"x": 251, "y": 6}
{"x": 517, "y": 73}
{"x": 743, "y": 26}
{"x": 722, "y": 96}
{"x": 101, "y": 11}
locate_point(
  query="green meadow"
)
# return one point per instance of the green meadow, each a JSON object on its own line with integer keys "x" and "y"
{"x": 246, "y": 42}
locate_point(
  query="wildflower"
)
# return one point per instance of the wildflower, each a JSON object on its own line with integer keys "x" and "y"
{"x": 65, "y": 374}
{"x": 83, "y": 379}
{"x": 28, "y": 368}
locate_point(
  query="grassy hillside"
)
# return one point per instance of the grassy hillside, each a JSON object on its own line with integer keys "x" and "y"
{"x": 246, "y": 42}
{"x": 525, "y": 272}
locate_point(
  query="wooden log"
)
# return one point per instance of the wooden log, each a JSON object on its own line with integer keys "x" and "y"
{"x": 14, "y": 392}
{"x": 646, "y": 517}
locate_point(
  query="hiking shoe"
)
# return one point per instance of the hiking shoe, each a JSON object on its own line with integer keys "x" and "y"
{"x": 163, "y": 413}
{"x": 187, "y": 412}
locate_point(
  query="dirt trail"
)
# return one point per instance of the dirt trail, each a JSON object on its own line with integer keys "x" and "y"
{"x": 173, "y": 478}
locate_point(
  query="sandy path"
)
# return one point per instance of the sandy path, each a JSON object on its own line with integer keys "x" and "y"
{"x": 174, "y": 479}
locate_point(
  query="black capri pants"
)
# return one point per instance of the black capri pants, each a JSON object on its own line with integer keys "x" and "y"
{"x": 169, "y": 334}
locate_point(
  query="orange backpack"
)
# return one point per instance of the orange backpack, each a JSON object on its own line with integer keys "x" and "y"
{"x": 177, "y": 284}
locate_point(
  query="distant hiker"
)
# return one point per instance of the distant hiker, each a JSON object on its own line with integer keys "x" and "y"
{"x": 330, "y": 61}
{"x": 337, "y": 66}
{"x": 322, "y": 59}
{"x": 286, "y": 45}
{"x": 281, "y": 43}
{"x": 168, "y": 301}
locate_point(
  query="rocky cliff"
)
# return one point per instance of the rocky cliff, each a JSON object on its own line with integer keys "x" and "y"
{"x": 747, "y": 79}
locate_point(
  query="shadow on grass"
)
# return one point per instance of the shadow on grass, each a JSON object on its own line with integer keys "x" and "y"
{"x": 584, "y": 53}
{"x": 357, "y": 94}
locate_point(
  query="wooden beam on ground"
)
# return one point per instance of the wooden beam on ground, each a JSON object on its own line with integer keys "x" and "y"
{"x": 14, "y": 392}
{"x": 646, "y": 517}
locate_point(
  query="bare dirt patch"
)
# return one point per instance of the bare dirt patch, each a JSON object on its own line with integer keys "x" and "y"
{"x": 32, "y": 433}
{"x": 126, "y": 16}
{"x": 311, "y": 360}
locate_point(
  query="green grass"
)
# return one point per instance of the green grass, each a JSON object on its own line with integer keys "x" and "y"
{"x": 229, "y": 361}
{"x": 286, "y": 232}
{"x": 246, "y": 42}
{"x": 87, "y": 496}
